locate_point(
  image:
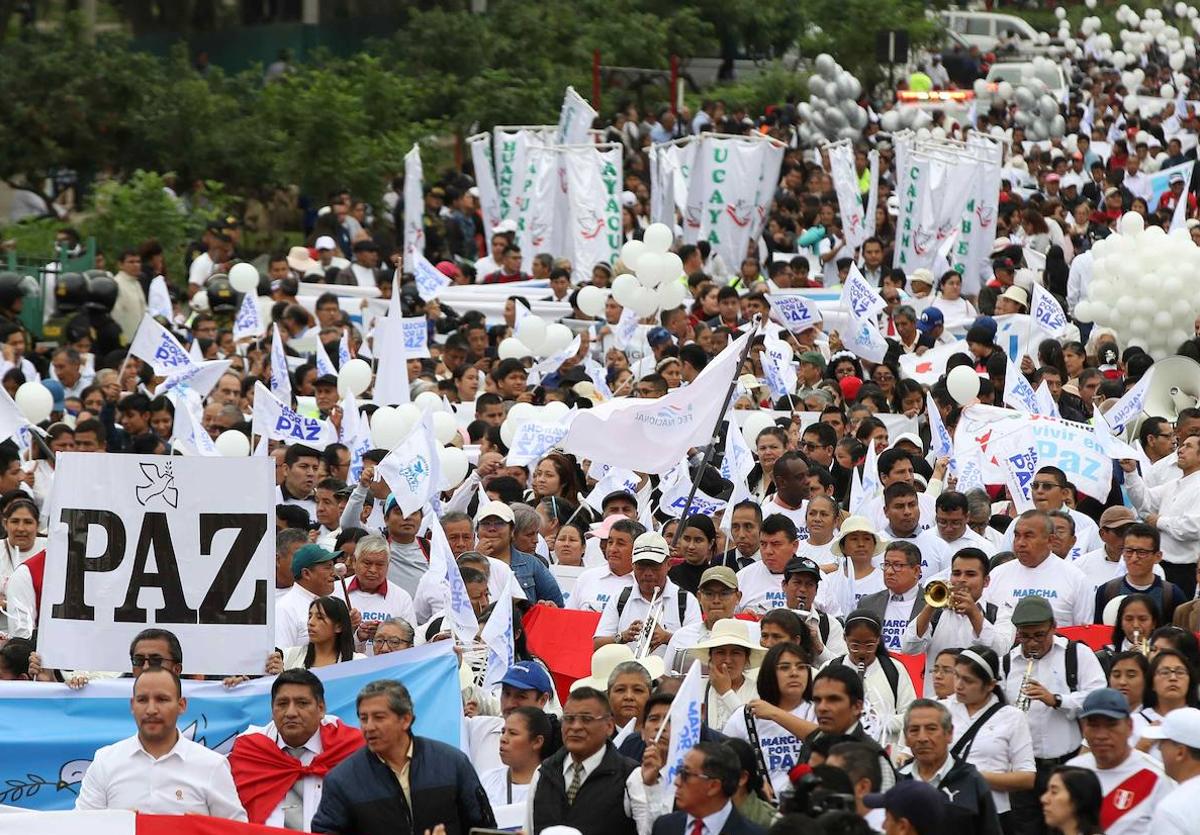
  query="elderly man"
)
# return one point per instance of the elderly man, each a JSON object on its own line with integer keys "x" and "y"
{"x": 400, "y": 783}
{"x": 278, "y": 768}
{"x": 370, "y": 591}
{"x": 704, "y": 792}
{"x": 597, "y": 585}
{"x": 1036, "y": 571}
{"x": 719, "y": 596}
{"x": 158, "y": 770}
{"x": 900, "y": 602}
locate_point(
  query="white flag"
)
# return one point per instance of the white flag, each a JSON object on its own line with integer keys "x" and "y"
{"x": 869, "y": 487}
{"x": 1045, "y": 401}
{"x": 926, "y": 368}
{"x": 281, "y": 383}
{"x": 248, "y": 322}
{"x": 939, "y": 436}
{"x": 793, "y": 310}
{"x": 778, "y": 365}
{"x": 859, "y": 298}
{"x": 485, "y": 180}
{"x": 849, "y": 198}
{"x": 391, "y": 373}
{"x": 12, "y": 423}
{"x": 916, "y": 238}
{"x": 736, "y": 464}
{"x": 280, "y": 422}
{"x": 512, "y": 147}
{"x": 356, "y": 435}
{"x": 872, "y": 195}
{"x": 593, "y": 197}
{"x": 414, "y": 331}
{"x": 414, "y": 206}
{"x": 199, "y": 378}
{"x": 686, "y": 721}
{"x": 1017, "y": 392}
{"x": 650, "y": 436}
{"x": 322, "y": 361}
{"x": 1130, "y": 407}
{"x": 411, "y": 469}
{"x": 158, "y": 299}
{"x": 159, "y": 347}
{"x": 498, "y": 635}
{"x": 1018, "y": 457}
{"x": 187, "y": 433}
{"x": 459, "y": 615}
{"x": 430, "y": 280}
{"x": 575, "y": 119}
{"x": 1046, "y": 314}
{"x": 344, "y": 348}
{"x": 534, "y": 438}
{"x": 540, "y": 226}
{"x": 1179, "y": 215}
{"x": 864, "y": 339}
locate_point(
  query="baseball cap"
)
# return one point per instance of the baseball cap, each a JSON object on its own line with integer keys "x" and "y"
{"x": 922, "y": 275}
{"x": 58, "y": 393}
{"x": 930, "y": 318}
{"x": 324, "y": 242}
{"x": 528, "y": 675}
{"x": 326, "y": 380}
{"x": 1116, "y": 517}
{"x": 919, "y": 803}
{"x": 1105, "y": 702}
{"x": 1176, "y": 178}
{"x": 813, "y": 358}
{"x": 494, "y": 508}
{"x": 1181, "y": 725}
{"x": 618, "y": 494}
{"x": 448, "y": 269}
{"x": 657, "y": 336}
{"x": 1031, "y": 610}
{"x": 650, "y": 547}
{"x": 601, "y": 529}
{"x": 309, "y": 555}
{"x": 719, "y": 574}
{"x": 801, "y": 565}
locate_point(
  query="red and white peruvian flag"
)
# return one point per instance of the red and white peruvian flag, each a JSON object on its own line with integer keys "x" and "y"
{"x": 118, "y": 822}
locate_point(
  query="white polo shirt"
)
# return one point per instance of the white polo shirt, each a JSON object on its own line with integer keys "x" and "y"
{"x": 637, "y": 607}
{"x": 387, "y": 601}
{"x": 596, "y": 586}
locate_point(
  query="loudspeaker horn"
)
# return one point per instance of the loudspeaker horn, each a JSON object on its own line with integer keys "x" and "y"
{"x": 1175, "y": 387}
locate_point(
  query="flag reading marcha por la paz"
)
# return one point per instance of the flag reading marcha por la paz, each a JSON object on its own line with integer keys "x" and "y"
{"x": 51, "y": 732}
{"x": 212, "y": 580}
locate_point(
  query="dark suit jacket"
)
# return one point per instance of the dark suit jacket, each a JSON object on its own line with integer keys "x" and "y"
{"x": 877, "y": 603}
{"x": 674, "y": 823}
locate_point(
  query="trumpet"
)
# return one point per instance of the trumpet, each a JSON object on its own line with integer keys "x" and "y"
{"x": 937, "y": 594}
{"x": 1023, "y": 700}
{"x": 1141, "y": 643}
{"x": 645, "y": 641}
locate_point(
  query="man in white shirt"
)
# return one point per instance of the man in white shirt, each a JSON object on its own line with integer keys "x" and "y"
{"x": 596, "y": 586}
{"x": 312, "y": 567}
{"x": 902, "y": 511}
{"x": 1173, "y": 508}
{"x": 1133, "y": 782}
{"x": 900, "y": 601}
{"x": 719, "y": 599}
{"x": 1050, "y": 490}
{"x": 790, "y": 476}
{"x": 158, "y": 770}
{"x": 761, "y": 583}
{"x": 950, "y": 515}
{"x": 268, "y": 761}
{"x": 369, "y": 590}
{"x": 623, "y": 616}
{"x": 301, "y": 465}
{"x": 895, "y": 466}
{"x": 1166, "y": 469}
{"x": 1036, "y": 571}
{"x": 1179, "y": 747}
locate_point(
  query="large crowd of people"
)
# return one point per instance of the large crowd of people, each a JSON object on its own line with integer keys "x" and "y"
{"x": 880, "y": 651}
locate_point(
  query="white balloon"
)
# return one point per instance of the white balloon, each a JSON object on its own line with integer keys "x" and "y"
{"x": 755, "y": 423}
{"x": 555, "y": 410}
{"x": 232, "y": 444}
{"x": 445, "y": 427}
{"x": 1132, "y": 223}
{"x": 963, "y": 384}
{"x": 1083, "y": 311}
{"x": 558, "y": 337}
{"x": 521, "y": 412}
{"x": 512, "y": 348}
{"x": 624, "y": 285}
{"x": 35, "y": 401}
{"x": 1004, "y": 91}
{"x": 428, "y": 401}
{"x": 1060, "y": 13}
{"x": 671, "y": 295}
{"x": 890, "y": 121}
{"x": 452, "y": 467}
{"x": 387, "y": 428}
{"x": 508, "y": 431}
{"x": 591, "y": 300}
{"x": 631, "y": 252}
{"x": 354, "y": 377}
{"x": 244, "y": 278}
{"x": 816, "y": 87}
{"x": 531, "y": 330}
{"x": 645, "y": 302}
{"x": 199, "y": 300}
{"x": 658, "y": 237}
{"x": 1091, "y": 4}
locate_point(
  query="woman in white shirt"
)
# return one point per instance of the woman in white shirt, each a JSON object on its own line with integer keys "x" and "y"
{"x": 782, "y": 715}
{"x": 956, "y": 311}
{"x": 885, "y": 705}
{"x": 330, "y": 637}
{"x": 22, "y": 540}
{"x": 1130, "y": 676}
{"x": 525, "y": 741}
{"x": 730, "y": 656}
{"x": 989, "y": 733}
{"x": 1172, "y": 686}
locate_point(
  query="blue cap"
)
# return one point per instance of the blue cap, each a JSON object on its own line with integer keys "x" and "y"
{"x": 1105, "y": 702}
{"x": 919, "y": 803}
{"x": 931, "y": 318}
{"x": 58, "y": 393}
{"x": 528, "y": 675}
{"x": 985, "y": 322}
{"x": 309, "y": 555}
{"x": 658, "y": 335}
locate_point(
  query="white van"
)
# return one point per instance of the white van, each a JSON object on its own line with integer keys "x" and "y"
{"x": 984, "y": 29}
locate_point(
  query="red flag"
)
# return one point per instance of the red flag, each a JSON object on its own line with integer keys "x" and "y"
{"x": 1095, "y": 635}
{"x": 563, "y": 639}
{"x": 915, "y": 664}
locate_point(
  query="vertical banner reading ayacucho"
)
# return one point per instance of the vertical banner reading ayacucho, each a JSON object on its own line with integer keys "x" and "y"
{"x": 594, "y": 181}
{"x": 147, "y": 540}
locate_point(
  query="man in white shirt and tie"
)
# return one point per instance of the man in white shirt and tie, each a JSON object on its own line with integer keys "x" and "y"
{"x": 1173, "y": 508}
{"x": 279, "y": 769}
{"x": 158, "y": 770}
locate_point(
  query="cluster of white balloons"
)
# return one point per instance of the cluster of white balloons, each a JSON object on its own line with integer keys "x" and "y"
{"x": 913, "y": 118}
{"x": 1139, "y": 35}
{"x": 1037, "y": 111}
{"x": 535, "y": 338}
{"x": 654, "y": 283}
{"x": 520, "y": 413}
{"x": 832, "y": 111}
{"x": 1144, "y": 286}
{"x": 390, "y": 425}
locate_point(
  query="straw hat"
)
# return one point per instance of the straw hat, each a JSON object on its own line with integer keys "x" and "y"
{"x": 730, "y": 632}
{"x": 856, "y": 524}
{"x": 606, "y": 659}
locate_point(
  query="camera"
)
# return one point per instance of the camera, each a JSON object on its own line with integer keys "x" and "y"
{"x": 817, "y": 790}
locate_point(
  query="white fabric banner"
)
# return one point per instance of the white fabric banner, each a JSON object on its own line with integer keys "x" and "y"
{"x": 1017, "y": 392}
{"x": 779, "y": 366}
{"x": 276, "y": 420}
{"x": 158, "y": 346}
{"x": 411, "y": 469}
{"x": 574, "y": 119}
{"x": 542, "y": 202}
{"x": 686, "y": 720}
{"x": 498, "y": 635}
{"x": 723, "y": 194}
{"x": 736, "y": 464}
{"x": 199, "y": 378}
{"x": 971, "y": 254}
{"x": 916, "y": 226}
{"x": 281, "y": 384}
{"x": 951, "y": 190}
{"x": 391, "y": 374}
{"x": 510, "y": 150}
{"x": 1130, "y": 407}
{"x": 873, "y": 196}
{"x": 213, "y": 576}
{"x": 485, "y": 181}
{"x": 415, "y": 333}
{"x": 594, "y": 183}
{"x": 430, "y": 280}
{"x": 187, "y": 432}
{"x": 845, "y": 187}
{"x": 1046, "y": 314}
{"x": 414, "y": 204}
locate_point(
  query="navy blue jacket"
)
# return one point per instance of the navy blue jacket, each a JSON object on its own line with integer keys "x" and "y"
{"x": 361, "y": 796}
{"x": 674, "y": 824}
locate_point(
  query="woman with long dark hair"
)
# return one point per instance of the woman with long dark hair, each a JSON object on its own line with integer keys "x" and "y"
{"x": 697, "y": 546}
{"x": 330, "y": 636}
{"x": 769, "y": 445}
{"x": 1172, "y": 684}
{"x": 1071, "y": 802}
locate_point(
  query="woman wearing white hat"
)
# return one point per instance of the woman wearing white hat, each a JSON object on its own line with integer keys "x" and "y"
{"x": 856, "y": 545}
{"x": 730, "y": 656}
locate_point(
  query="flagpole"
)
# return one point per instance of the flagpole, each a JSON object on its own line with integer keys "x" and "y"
{"x": 711, "y": 449}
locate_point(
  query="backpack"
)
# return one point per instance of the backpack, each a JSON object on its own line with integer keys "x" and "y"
{"x": 1072, "y": 665}
{"x": 623, "y": 598}
{"x": 889, "y": 670}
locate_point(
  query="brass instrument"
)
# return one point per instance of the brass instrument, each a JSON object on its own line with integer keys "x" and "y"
{"x": 645, "y": 641}
{"x": 937, "y": 594}
{"x": 1141, "y": 643}
{"x": 1023, "y": 700}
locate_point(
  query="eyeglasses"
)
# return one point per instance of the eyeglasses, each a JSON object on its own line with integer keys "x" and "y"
{"x": 1170, "y": 672}
{"x": 153, "y": 661}
{"x": 810, "y": 446}
{"x": 1045, "y": 485}
{"x": 722, "y": 593}
{"x": 1138, "y": 553}
{"x": 580, "y": 719}
{"x": 684, "y": 775}
{"x": 862, "y": 646}
{"x": 491, "y": 524}
{"x": 1033, "y": 636}
{"x": 895, "y": 566}
{"x": 394, "y": 643}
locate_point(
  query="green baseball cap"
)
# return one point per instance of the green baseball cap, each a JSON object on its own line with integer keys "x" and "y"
{"x": 309, "y": 555}
{"x": 814, "y": 358}
{"x": 1031, "y": 610}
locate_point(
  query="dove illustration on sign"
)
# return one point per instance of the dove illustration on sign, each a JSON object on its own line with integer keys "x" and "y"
{"x": 159, "y": 482}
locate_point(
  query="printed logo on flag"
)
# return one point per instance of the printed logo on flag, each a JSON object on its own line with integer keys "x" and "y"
{"x": 414, "y": 335}
{"x": 169, "y": 353}
{"x": 667, "y": 417}
{"x": 414, "y": 472}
